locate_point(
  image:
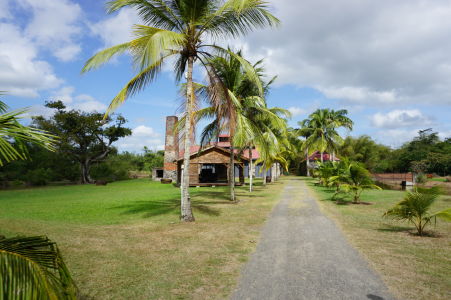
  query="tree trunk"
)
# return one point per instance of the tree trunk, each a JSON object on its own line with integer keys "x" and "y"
{"x": 307, "y": 162}
{"x": 232, "y": 171}
{"x": 264, "y": 175}
{"x": 251, "y": 170}
{"x": 186, "y": 213}
{"x": 322, "y": 159}
{"x": 85, "y": 168}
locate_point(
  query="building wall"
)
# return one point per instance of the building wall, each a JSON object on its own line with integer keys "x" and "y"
{"x": 171, "y": 149}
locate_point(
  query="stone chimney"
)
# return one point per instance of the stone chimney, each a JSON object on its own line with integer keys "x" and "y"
{"x": 171, "y": 149}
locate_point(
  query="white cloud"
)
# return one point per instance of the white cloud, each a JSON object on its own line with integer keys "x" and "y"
{"x": 22, "y": 73}
{"x": 142, "y": 136}
{"x": 116, "y": 29}
{"x": 81, "y": 102}
{"x": 144, "y": 131}
{"x": 401, "y": 118}
{"x": 54, "y": 25}
{"x": 363, "y": 52}
{"x": 296, "y": 111}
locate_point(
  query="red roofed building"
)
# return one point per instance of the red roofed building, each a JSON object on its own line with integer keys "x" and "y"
{"x": 209, "y": 164}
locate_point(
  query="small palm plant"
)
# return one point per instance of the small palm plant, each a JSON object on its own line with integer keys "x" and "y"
{"x": 415, "y": 206}
{"x": 353, "y": 178}
{"x": 32, "y": 268}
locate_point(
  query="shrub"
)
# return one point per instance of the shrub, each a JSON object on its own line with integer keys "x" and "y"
{"x": 39, "y": 176}
{"x": 415, "y": 206}
{"x": 421, "y": 178}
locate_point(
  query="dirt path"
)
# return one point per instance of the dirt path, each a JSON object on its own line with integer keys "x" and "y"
{"x": 303, "y": 255}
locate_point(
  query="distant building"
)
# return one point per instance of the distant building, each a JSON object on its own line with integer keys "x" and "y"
{"x": 209, "y": 165}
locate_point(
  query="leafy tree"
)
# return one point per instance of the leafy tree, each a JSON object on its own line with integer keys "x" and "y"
{"x": 415, "y": 206}
{"x": 363, "y": 149}
{"x": 85, "y": 137}
{"x": 181, "y": 29}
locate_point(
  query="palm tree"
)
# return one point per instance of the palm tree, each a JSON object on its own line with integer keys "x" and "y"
{"x": 240, "y": 111}
{"x": 181, "y": 29}
{"x": 321, "y": 129}
{"x": 415, "y": 206}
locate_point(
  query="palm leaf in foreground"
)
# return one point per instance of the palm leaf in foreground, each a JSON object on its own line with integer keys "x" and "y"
{"x": 32, "y": 268}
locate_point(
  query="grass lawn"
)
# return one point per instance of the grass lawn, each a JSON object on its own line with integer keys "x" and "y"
{"x": 413, "y": 267}
{"x": 125, "y": 241}
{"x": 439, "y": 179}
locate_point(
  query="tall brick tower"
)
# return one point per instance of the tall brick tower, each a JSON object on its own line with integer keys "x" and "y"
{"x": 171, "y": 149}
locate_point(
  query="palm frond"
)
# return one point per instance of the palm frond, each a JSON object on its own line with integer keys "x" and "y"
{"x": 32, "y": 268}
{"x": 104, "y": 56}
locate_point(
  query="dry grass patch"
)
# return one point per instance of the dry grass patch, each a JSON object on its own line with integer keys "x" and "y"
{"x": 413, "y": 267}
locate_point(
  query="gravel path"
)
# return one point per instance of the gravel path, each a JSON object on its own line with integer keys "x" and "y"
{"x": 303, "y": 255}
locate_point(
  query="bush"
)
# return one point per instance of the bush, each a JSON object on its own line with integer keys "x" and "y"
{"x": 421, "y": 178}
{"x": 39, "y": 176}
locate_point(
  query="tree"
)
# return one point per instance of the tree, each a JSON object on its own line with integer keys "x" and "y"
{"x": 181, "y": 29}
{"x": 363, "y": 149}
{"x": 321, "y": 127}
{"x": 85, "y": 137}
{"x": 242, "y": 110}
{"x": 415, "y": 206}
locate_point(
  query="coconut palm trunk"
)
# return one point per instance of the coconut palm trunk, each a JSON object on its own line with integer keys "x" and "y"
{"x": 186, "y": 212}
{"x": 251, "y": 170}
{"x": 322, "y": 158}
{"x": 307, "y": 162}
{"x": 232, "y": 172}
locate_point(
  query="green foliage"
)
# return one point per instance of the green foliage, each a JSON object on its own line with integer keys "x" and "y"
{"x": 85, "y": 138}
{"x": 39, "y": 176}
{"x": 346, "y": 176}
{"x": 421, "y": 178}
{"x": 364, "y": 150}
{"x": 320, "y": 130}
{"x": 32, "y": 268}
{"x": 415, "y": 206}
{"x": 14, "y": 136}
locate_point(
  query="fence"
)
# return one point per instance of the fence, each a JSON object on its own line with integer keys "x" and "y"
{"x": 394, "y": 179}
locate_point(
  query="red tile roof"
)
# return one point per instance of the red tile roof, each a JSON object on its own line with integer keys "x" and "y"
{"x": 326, "y": 156}
{"x": 195, "y": 148}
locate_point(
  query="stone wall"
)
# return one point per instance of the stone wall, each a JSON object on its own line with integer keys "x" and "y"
{"x": 171, "y": 149}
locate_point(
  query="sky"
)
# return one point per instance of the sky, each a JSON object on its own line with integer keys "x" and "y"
{"x": 387, "y": 62}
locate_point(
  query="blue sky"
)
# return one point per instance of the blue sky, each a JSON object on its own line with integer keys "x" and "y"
{"x": 374, "y": 58}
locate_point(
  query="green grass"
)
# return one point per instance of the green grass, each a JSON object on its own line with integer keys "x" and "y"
{"x": 439, "y": 179}
{"x": 125, "y": 241}
{"x": 413, "y": 267}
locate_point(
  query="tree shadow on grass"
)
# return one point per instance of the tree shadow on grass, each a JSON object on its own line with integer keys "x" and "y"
{"x": 393, "y": 228}
{"x": 154, "y": 208}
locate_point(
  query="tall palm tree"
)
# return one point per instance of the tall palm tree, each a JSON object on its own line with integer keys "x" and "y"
{"x": 181, "y": 29}
{"x": 241, "y": 110}
{"x": 321, "y": 129}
